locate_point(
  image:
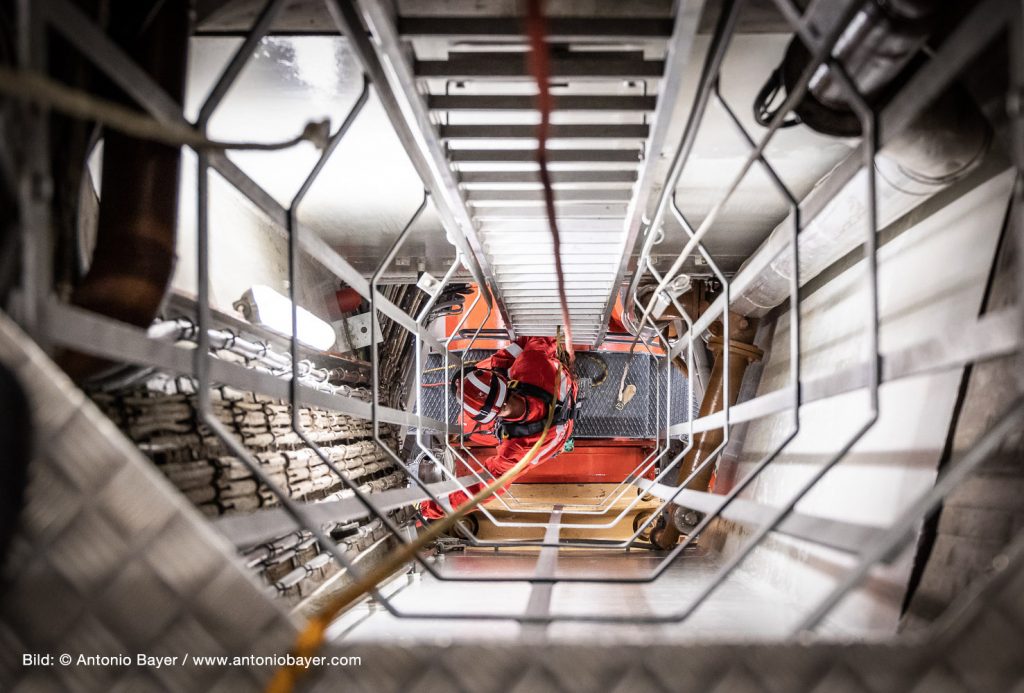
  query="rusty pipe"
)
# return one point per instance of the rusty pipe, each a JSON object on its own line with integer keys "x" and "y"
{"x": 134, "y": 256}
{"x": 742, "y": 353}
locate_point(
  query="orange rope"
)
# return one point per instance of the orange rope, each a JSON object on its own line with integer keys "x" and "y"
{"x": 536, "y": 28}
{"x": 311, "y": 637}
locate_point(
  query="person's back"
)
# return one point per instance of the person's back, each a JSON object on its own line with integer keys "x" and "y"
{"x": 513, "y": 391}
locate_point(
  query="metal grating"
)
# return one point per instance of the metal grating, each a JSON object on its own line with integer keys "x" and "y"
{"x": 641, "y": 418}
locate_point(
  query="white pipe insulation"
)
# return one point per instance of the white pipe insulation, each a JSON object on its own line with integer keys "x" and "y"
{"x": 941, "y": 147}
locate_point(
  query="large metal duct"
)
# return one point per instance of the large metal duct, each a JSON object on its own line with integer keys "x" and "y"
{"x": 940, "y": 147}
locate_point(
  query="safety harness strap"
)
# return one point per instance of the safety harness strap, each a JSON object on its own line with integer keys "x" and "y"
{"x": 565, "y": 410}
{"x": 492, "y": 395}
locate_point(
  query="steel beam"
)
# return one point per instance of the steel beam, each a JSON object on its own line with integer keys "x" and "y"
{"x": 253, "y": 528}
{"x": 677, "y": 57}
{"x": 87, "y": 332}
{"x": 850, "y": 537}
{"x": 396, "y": 89}
{"x": 993, "y": 335}
{"x": 539, "y": 603}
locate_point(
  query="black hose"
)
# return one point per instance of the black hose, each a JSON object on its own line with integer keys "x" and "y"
{"x": 763, "y": 111}
{"x": 601, "y": 363}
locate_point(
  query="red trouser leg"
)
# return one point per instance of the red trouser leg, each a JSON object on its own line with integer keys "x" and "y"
{"x": 496, "y": 465}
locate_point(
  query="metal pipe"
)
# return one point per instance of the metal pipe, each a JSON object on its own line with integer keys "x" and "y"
{"x": 743, "y": 353}
{"x": 135, "y": 239}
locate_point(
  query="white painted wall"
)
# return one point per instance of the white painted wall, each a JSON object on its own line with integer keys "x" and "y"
{"x": 931, "y": 281}
{"x": 245, "y": 249}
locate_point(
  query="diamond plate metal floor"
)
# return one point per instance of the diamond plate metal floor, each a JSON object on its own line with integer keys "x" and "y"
{"x": 597, "y": 417}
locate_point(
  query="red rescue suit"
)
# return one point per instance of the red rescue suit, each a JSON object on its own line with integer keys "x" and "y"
{"x": 529, "y": 360}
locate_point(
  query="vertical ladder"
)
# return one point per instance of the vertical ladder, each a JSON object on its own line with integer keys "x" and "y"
{"x": 615, "y": 81}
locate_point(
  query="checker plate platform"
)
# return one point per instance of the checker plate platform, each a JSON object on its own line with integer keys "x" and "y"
{"x": 598, "y": 416}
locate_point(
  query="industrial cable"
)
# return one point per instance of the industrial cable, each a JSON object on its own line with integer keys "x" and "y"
{"x": 312, "y": 636}
{"x": 40, "y": 90}
{"x": 763, "y": 111}
{"x": 539, "y": 60}
{"x": 601, "y": 364}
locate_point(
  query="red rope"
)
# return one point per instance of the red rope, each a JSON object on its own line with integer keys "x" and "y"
{"x": 536, "y": 28}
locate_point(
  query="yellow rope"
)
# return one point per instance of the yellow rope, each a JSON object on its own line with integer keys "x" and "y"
{"x": 312, "y": 636}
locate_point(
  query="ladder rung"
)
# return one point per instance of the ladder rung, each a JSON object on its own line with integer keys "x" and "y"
{"x": 631, "y": 156}
{"x": 474, "y": 102}
{"x": 583, "y": 65}
{"x": 558, "y": 28}
{"x": 557, "y": 132}
{"x": 482, "y": 197}
{"x": 578, "y": 210}
{"x": 557, "y": 177}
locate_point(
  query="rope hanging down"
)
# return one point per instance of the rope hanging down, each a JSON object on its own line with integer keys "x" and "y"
{"x": 539, "y": 60}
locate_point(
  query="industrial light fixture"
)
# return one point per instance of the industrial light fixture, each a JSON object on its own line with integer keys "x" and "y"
{"x": 263, "y": 306}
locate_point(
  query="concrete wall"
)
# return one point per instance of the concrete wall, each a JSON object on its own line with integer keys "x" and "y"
{"x": 932, "y": 277}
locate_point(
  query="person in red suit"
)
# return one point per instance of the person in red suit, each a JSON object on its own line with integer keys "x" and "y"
{"x": 514, "y": 390}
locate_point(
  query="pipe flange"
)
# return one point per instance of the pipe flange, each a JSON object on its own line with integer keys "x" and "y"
{"x": 741, "y": 349}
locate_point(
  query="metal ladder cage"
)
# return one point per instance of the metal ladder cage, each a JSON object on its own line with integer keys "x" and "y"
{"x": 872, "y": 232}
{"x": 642, "y": 467}
{"x": 57, "y": 324}
{"x": 202, "y": 365}
{"x": 867, "y": 117}
{"x": 62, "y": 17}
